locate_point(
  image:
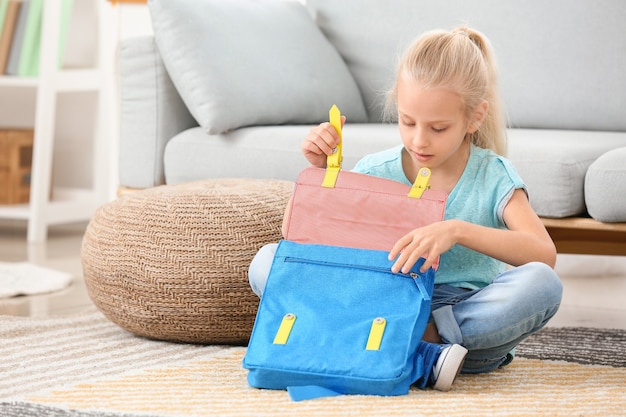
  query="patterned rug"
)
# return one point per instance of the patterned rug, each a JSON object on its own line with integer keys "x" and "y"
{"x": 85, "y": 366}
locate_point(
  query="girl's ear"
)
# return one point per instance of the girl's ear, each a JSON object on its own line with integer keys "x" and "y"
{"x": 478, "y": 117}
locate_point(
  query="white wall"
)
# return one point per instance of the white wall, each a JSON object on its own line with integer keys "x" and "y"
{"x": 133, "y": 20}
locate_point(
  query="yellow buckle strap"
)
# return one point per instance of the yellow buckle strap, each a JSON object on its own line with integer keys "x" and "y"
{"x": 376, "y": 334}
{"x": 333, "y": 162}
{"x": 285, "y": 329}
{"x": 421, "y": 183}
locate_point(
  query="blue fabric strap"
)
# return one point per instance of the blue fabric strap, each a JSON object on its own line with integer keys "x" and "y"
{"x": 310, "y": 392}
{"x": 429, "y": 353}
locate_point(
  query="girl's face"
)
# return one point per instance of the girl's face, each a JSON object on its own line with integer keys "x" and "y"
{"x": 433, "y": 127}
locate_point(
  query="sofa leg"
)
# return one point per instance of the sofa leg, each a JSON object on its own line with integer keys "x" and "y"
{"x": 123, "y": 190}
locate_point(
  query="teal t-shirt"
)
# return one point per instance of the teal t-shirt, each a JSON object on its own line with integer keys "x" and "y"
{"x": 479, "y": 197}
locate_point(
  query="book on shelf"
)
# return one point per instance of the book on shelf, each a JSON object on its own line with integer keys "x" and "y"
{"x": 3, "y": 11}
{"x": 18, "y": 39}
{"x": 32, "y": 34}
{"x": 25, "y": 41}
{"x": 11, "y": 15}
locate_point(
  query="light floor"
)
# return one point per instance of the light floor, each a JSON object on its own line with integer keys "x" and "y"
{"x": 594, "y": 286}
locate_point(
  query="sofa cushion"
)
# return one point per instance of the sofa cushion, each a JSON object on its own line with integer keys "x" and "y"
{"x": 553, "y": 164}
{"x": 559, "y": 62}
{"x": 554, "y": 174}
{"x": 189, "y": 154}
{"x": 242, "y": 62}
{"x": 605, "y": 187}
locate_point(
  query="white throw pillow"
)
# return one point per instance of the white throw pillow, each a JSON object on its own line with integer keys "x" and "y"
{"x": 252, "y": 62}
{"x": 605, "y": 187}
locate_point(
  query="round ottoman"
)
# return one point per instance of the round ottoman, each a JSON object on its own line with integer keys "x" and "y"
{"x": 605, "y": 187}
{"x": 171, "y": 262}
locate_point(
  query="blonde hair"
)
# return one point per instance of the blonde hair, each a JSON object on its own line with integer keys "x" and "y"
{"x": 462, "y": 60}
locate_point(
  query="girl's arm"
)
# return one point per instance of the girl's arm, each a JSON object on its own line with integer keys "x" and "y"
{"x": 526, "y": 239}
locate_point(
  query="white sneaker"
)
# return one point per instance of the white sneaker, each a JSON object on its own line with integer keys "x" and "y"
{"x": 448, "y": 366}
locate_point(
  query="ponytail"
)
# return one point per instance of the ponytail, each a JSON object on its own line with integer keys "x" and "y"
{"x": 462, "y": 60}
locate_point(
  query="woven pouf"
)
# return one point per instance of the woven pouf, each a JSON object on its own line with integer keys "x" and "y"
{"x": 171, "y": 262}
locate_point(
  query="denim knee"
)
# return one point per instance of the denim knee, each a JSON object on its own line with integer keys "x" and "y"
{"x": 540, "y": 275}
{"x": 523, "y": 299}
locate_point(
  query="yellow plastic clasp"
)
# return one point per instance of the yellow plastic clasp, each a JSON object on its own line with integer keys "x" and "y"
{"x": 376, "y": 334}
{"x": 285, "y": 329}
{"x": 421, "y": 183}
{"x": 333, "y": 162}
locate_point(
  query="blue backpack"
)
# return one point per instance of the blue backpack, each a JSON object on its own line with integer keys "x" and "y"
{"x": 336, "y": 320}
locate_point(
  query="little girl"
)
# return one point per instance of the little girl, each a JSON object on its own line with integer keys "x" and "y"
{"x": 446, "y": 102}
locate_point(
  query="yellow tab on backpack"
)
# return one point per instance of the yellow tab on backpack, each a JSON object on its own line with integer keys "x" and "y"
{"x": 333, "y": 161}
{"x": 285, "y": 329}
{"x": 421, "y": 183}
{"x": 376, "y": 334}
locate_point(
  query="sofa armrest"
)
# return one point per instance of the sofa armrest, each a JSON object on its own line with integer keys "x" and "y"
{"x": 151, "y": 113}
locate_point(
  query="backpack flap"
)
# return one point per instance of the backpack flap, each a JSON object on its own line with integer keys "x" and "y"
{"x": 342, "y": 208}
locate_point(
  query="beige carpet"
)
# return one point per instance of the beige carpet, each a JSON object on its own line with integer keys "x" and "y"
{"x": 89, "y": 365}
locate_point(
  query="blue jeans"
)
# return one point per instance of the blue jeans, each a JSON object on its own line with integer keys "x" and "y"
{"x": 488, "y": 322}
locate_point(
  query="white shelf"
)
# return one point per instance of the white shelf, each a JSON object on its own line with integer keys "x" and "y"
{"x": 72, "y": 80}
{"x": 67, "y": 205}
{"x": 18, "y": 82}
{"x": 15, "y": 211}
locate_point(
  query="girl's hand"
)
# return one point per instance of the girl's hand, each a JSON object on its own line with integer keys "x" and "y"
{"x": 428, "y": 242}
{"x": 320, "y": 142}
{"x": 524, "y": 240}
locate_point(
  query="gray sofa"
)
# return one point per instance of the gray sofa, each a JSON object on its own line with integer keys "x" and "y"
{"x": 230, "y": 89}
